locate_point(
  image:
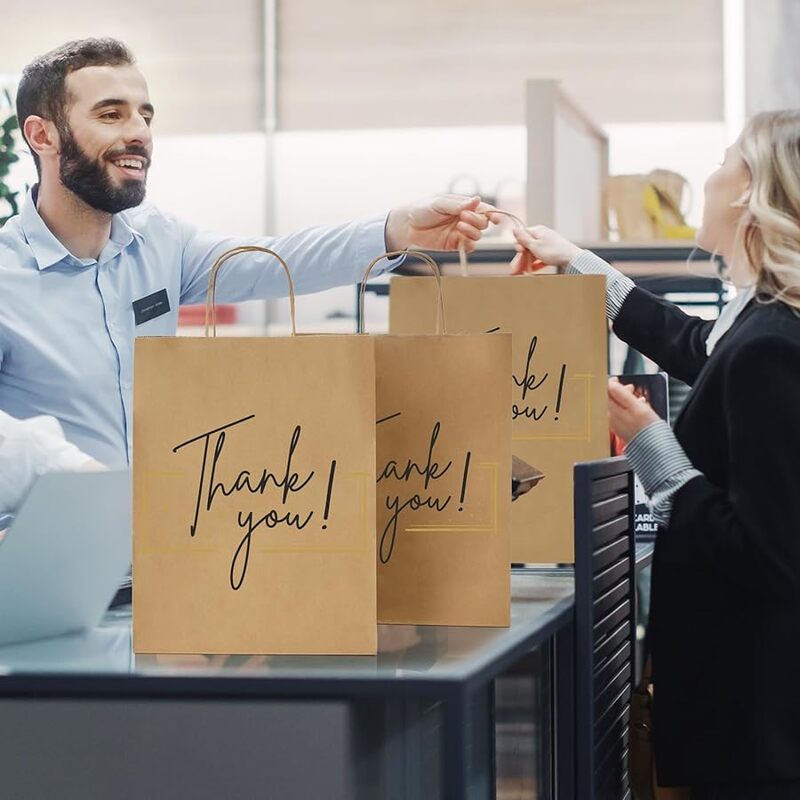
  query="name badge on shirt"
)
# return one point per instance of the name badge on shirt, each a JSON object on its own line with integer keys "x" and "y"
{"x": 150, "y": 307}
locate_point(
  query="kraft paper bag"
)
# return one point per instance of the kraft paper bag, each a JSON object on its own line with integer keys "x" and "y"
{"x": 558, "y": 378}
{"x": 254, "y": 495}
{"x": 443, "y": 477}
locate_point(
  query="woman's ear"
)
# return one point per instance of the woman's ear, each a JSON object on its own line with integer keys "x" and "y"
{"x": 743, "y": 200}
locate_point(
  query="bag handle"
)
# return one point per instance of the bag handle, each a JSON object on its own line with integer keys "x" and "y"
{"x": 211, "y": 294}
{"x": 462, "y": 253}
{"x": 441, "y": 326}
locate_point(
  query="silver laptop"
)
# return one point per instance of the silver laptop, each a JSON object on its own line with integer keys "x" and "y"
{"x": 65, "y": 554}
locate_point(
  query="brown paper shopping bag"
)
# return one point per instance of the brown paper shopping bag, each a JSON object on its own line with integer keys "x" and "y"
{"x": 558, "y": 378}
{"x": 254, "y": 493}
{"x": 443, "y": 475}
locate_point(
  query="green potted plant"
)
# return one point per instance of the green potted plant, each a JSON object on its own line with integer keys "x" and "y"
{"x": 8, "y": 142}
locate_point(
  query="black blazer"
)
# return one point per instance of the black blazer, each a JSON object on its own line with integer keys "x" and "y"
{"x": 726, "y": 572}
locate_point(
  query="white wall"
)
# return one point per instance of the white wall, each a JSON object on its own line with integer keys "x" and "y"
{"x": 214, "y": 181}
{"x": 336, "y": 175}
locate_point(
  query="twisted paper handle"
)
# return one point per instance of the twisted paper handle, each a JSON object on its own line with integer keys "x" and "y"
{"x": 462, "y": 253}
{"x": 211, "y": 294}
{"x": 440, "y": 320}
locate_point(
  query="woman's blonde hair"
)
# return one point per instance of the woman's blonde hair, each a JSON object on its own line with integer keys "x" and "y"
{"x": 770, "y": 226}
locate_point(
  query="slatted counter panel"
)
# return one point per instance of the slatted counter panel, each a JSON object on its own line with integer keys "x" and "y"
{"x": 604, "y": 624}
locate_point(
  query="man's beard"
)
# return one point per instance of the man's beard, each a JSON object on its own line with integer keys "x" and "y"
{"x": 90, "y": 180}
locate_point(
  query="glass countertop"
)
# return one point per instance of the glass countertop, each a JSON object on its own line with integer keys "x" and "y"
{"x": 541, "y": 603}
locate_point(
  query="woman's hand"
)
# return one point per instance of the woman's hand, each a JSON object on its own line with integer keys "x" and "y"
{"x": 539, "y": 247}
{"x": 627, "y": 414}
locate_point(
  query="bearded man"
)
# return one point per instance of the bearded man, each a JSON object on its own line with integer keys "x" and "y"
{"x": 87, "y": 266}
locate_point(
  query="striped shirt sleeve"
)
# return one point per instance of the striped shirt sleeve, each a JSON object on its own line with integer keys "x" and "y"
{"x": 662, "y": 466}
{"x": 618, "y": 286}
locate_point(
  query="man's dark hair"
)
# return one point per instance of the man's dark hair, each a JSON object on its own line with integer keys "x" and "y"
{"x": 42, "y": 91}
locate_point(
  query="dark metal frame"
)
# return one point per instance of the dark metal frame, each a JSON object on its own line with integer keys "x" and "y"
{"x": 605, "y": 626}
{"x": 564, "y": 677}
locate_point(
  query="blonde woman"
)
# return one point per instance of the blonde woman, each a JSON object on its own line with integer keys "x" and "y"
{"x": 725, "y": 486}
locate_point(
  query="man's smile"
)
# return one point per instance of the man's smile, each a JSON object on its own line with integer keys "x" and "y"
{"x": 131, "y": 166}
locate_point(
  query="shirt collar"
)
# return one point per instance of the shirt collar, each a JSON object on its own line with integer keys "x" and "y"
{"x": 121, "y": 236}
{"x": 728, "y": 316}
{"x": 48, "y": 250}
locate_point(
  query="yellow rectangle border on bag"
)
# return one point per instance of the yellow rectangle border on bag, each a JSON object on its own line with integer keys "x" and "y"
{"x": 572, "y": 437}
{"x": 467, "y": 528}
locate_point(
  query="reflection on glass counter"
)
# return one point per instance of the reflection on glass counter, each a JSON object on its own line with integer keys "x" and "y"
{"x": 105, "y": 649}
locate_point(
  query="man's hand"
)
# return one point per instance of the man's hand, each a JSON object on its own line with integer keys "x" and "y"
{"x": 627, "y": 414}
{"x": 540, "y": 246}
{"x": 447, "y": 222}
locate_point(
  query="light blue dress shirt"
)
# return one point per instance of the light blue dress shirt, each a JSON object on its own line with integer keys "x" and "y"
{"x": 67, "y": 326}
